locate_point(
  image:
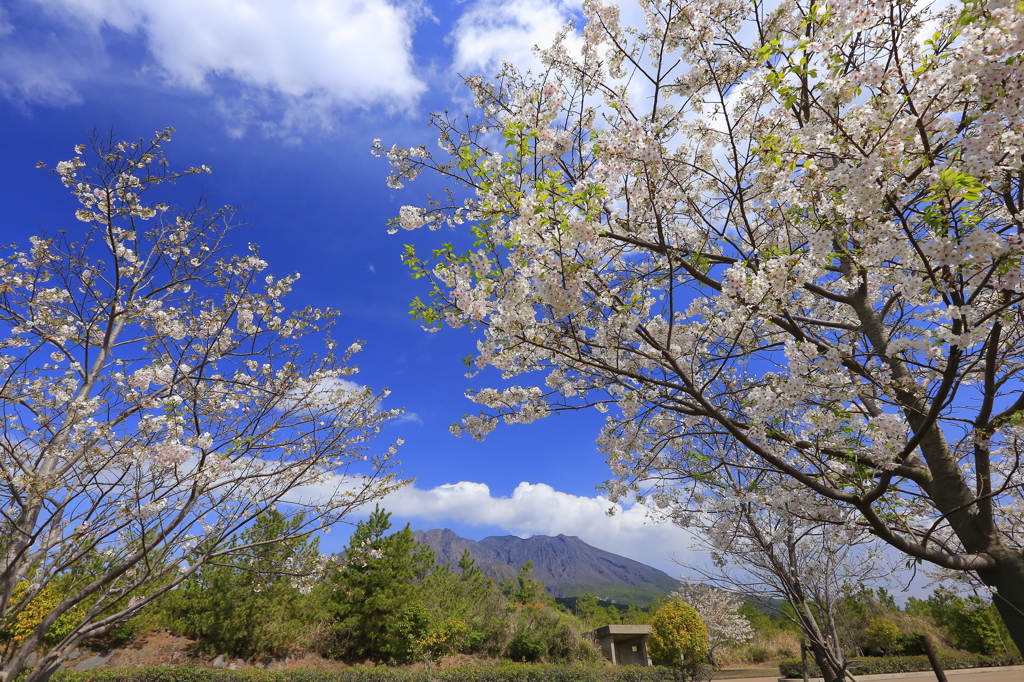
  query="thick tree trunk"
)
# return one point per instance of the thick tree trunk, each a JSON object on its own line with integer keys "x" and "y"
{"x": 18, "y": 658}
{"x": 1008, "y": 581}
{"x": 50, "y": 662}
{"x": 828, "y": 671}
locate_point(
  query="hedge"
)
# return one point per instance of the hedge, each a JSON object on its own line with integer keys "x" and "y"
{"x": 517, "y": 672}
{"x": 877, "y": 665}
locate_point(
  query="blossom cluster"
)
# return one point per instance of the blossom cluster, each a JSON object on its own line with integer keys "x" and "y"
{"x": 785, "y": 241}
{"x": 156, "y": 399}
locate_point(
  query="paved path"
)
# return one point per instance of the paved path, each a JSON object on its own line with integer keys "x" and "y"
{"x": 1014, "y": 673}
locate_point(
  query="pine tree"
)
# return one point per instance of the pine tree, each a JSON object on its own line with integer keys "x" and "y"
{"x": 378, "y": 594}
{"x": 246, "y": 604}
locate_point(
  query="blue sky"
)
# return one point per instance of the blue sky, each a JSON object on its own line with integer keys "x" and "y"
{"x": 282, "y": 100}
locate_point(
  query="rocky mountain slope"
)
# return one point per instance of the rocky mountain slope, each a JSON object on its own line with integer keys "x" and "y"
{"x": 566, "y": 565}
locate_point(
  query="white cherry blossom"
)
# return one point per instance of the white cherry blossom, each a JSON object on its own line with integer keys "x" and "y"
{"x": 778, "y": 238}
{"x": 150, "y": 391}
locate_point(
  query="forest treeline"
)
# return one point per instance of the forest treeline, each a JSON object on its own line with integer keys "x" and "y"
{"x": 385, "y": 599}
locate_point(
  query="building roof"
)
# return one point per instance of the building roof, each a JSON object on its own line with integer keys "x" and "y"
{"x": 609, "y": 630}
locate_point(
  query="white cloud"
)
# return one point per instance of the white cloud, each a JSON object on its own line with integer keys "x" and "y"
{"x": 312, "y": 54}
{"x": 492, "y": 31}
{"x": 27, "y": 75}
{"x": 6, "y": 27}
{"x": 331, "y": 393}
{"x": 539, "y": 509}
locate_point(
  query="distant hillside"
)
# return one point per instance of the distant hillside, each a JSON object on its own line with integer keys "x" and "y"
{"x": 566, "y": 565}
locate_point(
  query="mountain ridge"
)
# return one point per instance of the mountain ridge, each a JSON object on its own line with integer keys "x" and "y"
{"x": 568, "y": 566}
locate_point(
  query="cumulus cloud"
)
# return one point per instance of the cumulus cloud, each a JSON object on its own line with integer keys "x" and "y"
{"x": 492, "y": 31}
{"x": 311, "y": 54}
{"x": 539, "y": 509}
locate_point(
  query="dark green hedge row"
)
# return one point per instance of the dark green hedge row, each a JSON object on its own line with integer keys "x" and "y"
{"x": 518, "y": 672}
{"x": 791, "y": 667}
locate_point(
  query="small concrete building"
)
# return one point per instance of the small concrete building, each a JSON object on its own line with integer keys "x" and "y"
{"x": 624, "y": 644}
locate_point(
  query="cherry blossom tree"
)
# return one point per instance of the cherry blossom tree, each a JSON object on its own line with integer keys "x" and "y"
{"x": 792, "y": 227}
{"x": 718, "y": 608}
{"x": 155, "y": 401}
{"x": 765, "y": 542}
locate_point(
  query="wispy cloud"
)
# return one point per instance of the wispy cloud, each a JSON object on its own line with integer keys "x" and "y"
{"x": 5, "y": 24}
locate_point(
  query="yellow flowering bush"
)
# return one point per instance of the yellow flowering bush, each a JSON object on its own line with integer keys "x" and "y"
{"x": 32, "y": 615}
{"x": 440, "y": 638}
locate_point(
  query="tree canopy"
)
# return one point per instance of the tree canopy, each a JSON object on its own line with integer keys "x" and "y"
{"x": 771, "y": 238}
{"x": 156, "y": 400}
{"x": 678, "y": 635}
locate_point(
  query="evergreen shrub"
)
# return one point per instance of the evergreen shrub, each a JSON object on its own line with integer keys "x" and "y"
{"x": 678, "y": 635}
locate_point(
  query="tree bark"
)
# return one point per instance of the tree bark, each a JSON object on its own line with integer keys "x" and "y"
{"x": 1007, "y": 578}
{"x": 828, "y": 672}
{"x": 44, "y": 670}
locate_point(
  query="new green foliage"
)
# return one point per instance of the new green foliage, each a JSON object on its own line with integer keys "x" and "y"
{"x": 883, "y": 635}
{"x": 470, "y": 597}
{"x": 969, "y": 623}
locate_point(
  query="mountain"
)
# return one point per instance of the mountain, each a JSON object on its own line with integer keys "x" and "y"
{"x": 566, "y": 565}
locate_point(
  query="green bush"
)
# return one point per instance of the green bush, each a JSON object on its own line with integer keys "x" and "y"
{"x": 912, "y": 645}
{"x": 883, "y": 636}
{"x": 678, "y": 635}
{"x": 969, "y": 623}
{"x": 376, "y": 595}
{"x": 527, "y": 647}
{"x": 879, "y": 665}
{"x": 542, "y": 633}
{"x": 244, "y": 604}
{"x": 471, "y": 597}
{"x": 510, "y": 672}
